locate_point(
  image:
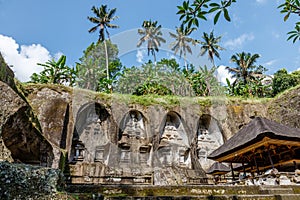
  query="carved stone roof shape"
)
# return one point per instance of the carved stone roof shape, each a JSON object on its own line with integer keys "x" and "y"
{"x": 218, "y": 168}
{"x": 254, "y": 133}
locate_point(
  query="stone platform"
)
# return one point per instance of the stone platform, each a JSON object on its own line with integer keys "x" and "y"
{"x": 208, "y": 192}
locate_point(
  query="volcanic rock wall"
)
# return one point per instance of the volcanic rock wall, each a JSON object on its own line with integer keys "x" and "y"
{"x": 101, "y": 138}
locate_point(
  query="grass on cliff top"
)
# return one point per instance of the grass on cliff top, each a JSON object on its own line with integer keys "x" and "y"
{"x": 168, "y": 101}
{"x": 28, "y": 88}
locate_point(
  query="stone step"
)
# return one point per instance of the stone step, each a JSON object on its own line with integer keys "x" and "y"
{"x": 215, "y": 197}
{"x": 275, "y": 190}
{"x": 287, "y": 197}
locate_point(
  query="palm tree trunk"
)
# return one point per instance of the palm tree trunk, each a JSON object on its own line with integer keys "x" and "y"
{"x": 154, "y": 56}
{"x": 106, "y": 64}
{"x": 185, "y": 64}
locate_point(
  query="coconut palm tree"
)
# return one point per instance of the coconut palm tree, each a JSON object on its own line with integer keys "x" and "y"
{"x": 210, "y": 46}
{"x": 246, "y": 68}
{"x": 151, "y": 34}
{"x": 182, "y": 41}
{"x": 102, "y": 19}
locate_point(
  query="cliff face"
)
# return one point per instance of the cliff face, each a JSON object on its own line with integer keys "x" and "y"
{"x": 125, "y": 136}
{"x": 285, "y": 108}
{"x": 160, "y": 140}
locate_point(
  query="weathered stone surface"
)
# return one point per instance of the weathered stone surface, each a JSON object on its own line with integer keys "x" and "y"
{"x": 52, "y": 108}
{"x": 159, "y": 143}
{"x": 19, "y": 181}
{"x": 285, "y": 108}
{"x": 19, "y": 130}
{"x": 6, "y": 74}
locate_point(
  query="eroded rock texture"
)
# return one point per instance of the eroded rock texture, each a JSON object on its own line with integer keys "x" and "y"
{"x": 110, "y": 140}
{"x": 286, "y": 108}
{"x": 20, "y": 181}
{"x": 19, "y": 132}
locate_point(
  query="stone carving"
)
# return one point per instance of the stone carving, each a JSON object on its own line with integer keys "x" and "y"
{"x": 133, "y": 140}
{"x": 174, "y": 147}
{"x": 91, "y": 134}
{"x": 209, "y": 138}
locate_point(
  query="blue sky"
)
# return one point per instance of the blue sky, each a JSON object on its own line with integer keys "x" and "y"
{"x": 34, "y": 31}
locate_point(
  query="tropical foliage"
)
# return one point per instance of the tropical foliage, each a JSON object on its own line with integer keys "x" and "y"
{"x": 100, "y": 69}
{"x": 92, "y": 67}
{"x": 151, "y": 33}
{"x": 291, "y": 7}
{"x": 203, "y": 81}
{"x": 283, "y": 80}
{"x": 210, "y": 46}
{"x": 182, "y": 41}
{"x": 165, "y": 74}
{"x": 102, "y": 19}
{"x": 55, "y": 72}
{"x": 248, "y": 77}
{"x": 191, "y": 13}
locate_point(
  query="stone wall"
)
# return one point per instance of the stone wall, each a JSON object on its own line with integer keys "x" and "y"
{"x": 20, "y": 132}
{"x": 104, "y": 136}
{"x": 285, "y": 108}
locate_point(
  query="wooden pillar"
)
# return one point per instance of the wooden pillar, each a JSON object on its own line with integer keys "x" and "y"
{"x": 232, "y": 172}
{"x": 271, "y": 161}
{"x": 256, "y": 165}
{"x": 295, "y": 165}
{"x": 244, "y": 169}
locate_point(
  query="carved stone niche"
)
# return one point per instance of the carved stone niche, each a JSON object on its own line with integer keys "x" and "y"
{"x": 79, "y": 153}
{"x": 132, "y": 126}
{"x": 174, "y": 147}
{"x": 133, "y": 141}
{"x": 92, "y": 131}
{"x": 209, "y": 138}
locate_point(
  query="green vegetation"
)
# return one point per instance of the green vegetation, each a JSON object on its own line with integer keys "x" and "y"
{"x": 151, "y": 34}
{"x": 283, "y": 80}
{"x": 102, "y": 19}
{"x": 210, "y": 46}
{"x": 248, "y": 77}
{"x": 190, "y": 13}
{"x": 99, "y": 69}
{"x": 92, "y": 71}
{"x": 182, "y": 41}
{"x": 55, "y": 72}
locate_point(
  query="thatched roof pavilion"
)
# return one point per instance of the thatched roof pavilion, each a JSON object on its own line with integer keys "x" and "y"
{"x": 218, "y": 169}
{"x": 262, "y": 144}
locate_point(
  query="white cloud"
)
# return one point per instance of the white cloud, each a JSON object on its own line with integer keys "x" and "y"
{"x": 23, "y": 58}
{"x": 275, "y": 34}
{"x": 261, "y": 1}
{"x": 140, "y": 55}
{"x": 237, "y": 43}
{"x": 223, "y": 74}
{"x": 270, "y": 63}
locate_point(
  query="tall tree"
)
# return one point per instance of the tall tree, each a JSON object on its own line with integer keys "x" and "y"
{"x": 92, "y": 67}
{"x": 245, "y": 67}
{"x": 248, "y": 76}
{"x": 182, "y": 41}
{"x": 102, "y": 19}
{"x": 151, "y": 33}
{"x": 210, "y": 46}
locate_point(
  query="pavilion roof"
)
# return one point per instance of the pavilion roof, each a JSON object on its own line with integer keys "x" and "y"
{"x": 255, "y": 131}
{"x": 218, "y": 168}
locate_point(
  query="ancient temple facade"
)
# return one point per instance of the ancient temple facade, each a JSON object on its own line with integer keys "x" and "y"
{"x": 130, "y": 151}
